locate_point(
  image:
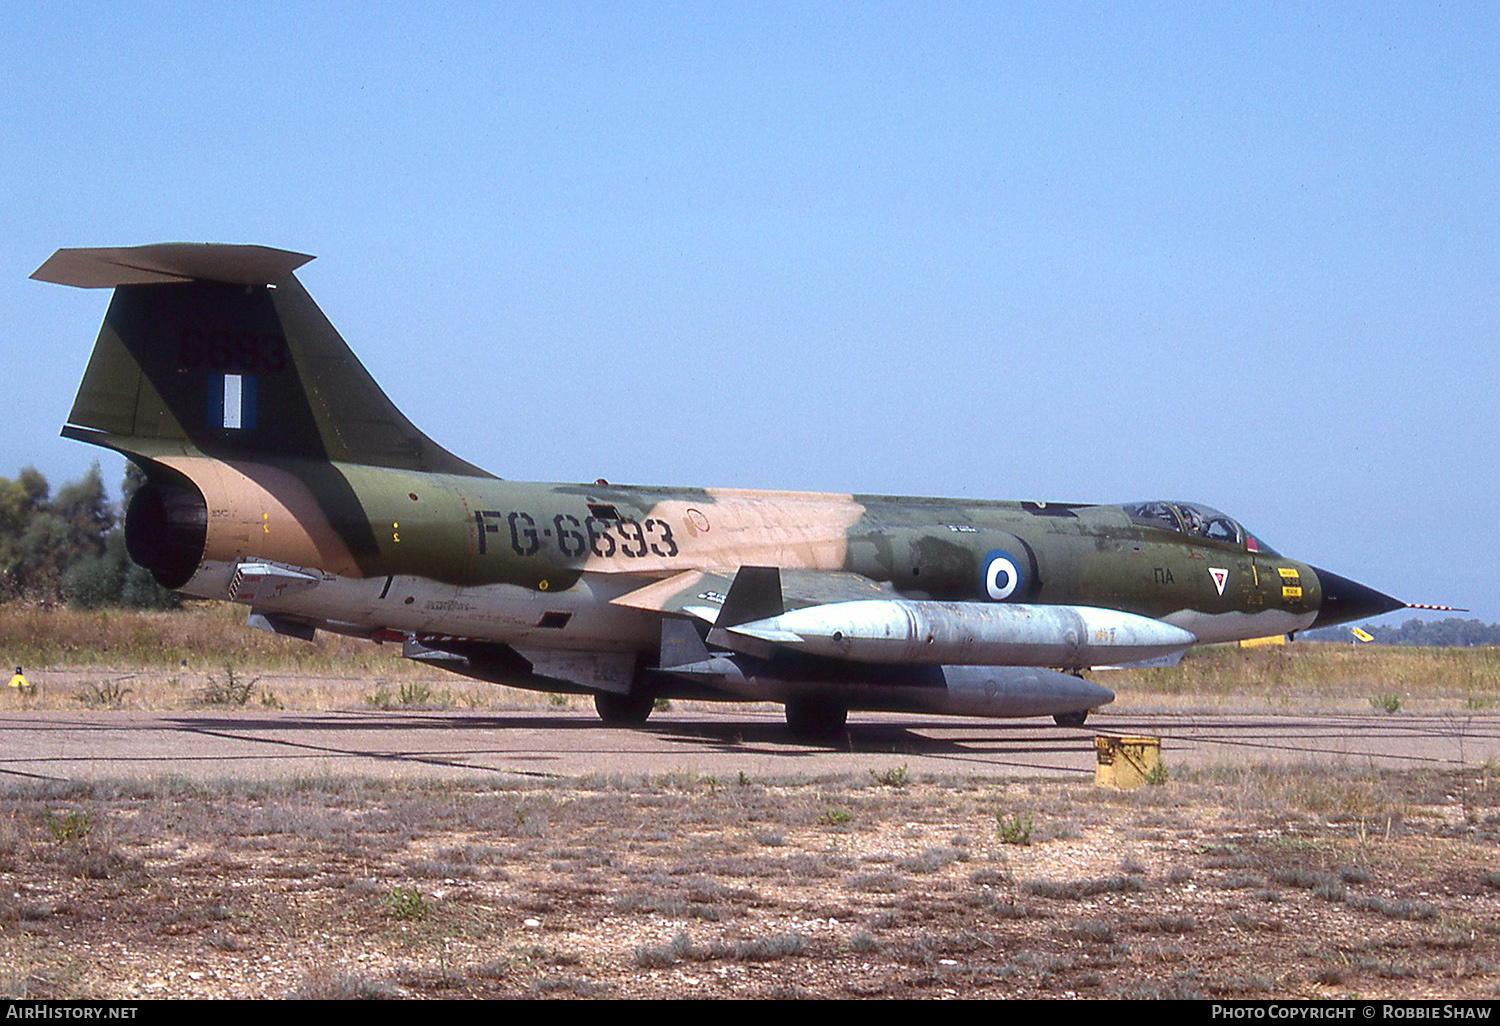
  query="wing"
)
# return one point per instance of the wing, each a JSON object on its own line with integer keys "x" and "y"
{"x": 703, "y": 593}
{"x": 850, "y": 618}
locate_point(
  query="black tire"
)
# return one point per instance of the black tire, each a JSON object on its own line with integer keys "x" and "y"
{"x": 816, "y": 720}
{"x": 1072, "y": 719}
{"x": 623, "y": 710}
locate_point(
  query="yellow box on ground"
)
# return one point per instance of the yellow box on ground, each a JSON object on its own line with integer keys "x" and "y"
{"x": 1126, "y": 761}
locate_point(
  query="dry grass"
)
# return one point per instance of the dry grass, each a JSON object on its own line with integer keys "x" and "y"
{"x": 397, "y": 686}
{"x": 205, "y": 655}
{"x": 663, "y": 887}
{"x": 1323, "y": 674}
{"x": 204, "y": 634}
{"x": 165, "y": 657}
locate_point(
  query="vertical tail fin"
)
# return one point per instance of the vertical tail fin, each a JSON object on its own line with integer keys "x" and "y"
{"x": 220, "y": 349}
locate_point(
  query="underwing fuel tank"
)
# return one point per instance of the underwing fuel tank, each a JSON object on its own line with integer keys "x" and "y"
{"x": 912, "y": 632}
{"x": 947, "y": 690}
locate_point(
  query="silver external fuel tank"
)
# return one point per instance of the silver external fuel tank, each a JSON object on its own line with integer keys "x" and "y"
{"x": 950, "y": 690}
{"x": 912, "y": 632}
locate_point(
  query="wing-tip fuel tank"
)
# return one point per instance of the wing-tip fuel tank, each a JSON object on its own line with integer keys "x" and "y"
{"x": 279, "y": 475}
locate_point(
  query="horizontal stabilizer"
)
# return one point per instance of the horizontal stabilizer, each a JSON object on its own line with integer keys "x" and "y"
{"x": 110, "y": 267}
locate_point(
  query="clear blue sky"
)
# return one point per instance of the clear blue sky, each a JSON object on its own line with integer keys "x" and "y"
{"x": 1070, "y": 252}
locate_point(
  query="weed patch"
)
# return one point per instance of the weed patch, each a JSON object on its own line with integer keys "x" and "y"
{"x": 69, "y": 826}
{"x": 893, "y": 777}
{"x": 107, "y": 694}
{"x": 232, "y": 689}
{"x": 329, "y": 985}
{"x": 1073, "y": 890}
{"x": 1014, "y": 829}
{"x": 406, "y": 904}
{"x": 415, "y": 693}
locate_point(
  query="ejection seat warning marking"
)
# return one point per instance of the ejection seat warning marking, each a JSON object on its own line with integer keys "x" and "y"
{"x": 1220, "y": 576}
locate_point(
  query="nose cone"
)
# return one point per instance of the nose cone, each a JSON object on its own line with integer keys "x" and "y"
{"x": 1345, "y": 600}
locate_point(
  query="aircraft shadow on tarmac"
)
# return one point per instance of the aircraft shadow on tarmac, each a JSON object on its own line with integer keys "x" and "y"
{"x": 769, "y": 737}
{"x": 876, "y": 738}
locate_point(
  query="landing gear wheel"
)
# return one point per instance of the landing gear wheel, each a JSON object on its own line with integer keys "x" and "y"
{"x": 1072, "y": 719}
{"x": 816, "y": 720}
{"x": 623, "y": 710}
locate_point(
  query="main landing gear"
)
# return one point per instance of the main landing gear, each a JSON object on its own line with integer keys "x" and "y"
{"x": 624, "y": 710}
{"x": 816, "y": 719}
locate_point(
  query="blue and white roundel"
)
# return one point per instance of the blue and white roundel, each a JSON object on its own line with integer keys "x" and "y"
{"x": 1003, "y": 576}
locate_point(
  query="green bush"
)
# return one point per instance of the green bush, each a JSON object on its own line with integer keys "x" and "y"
{"x": 1013, "y": 829}
{"x": 407, "y": 903}
{"x": 233, "y": 689}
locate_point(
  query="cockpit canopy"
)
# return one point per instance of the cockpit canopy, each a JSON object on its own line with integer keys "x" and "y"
{"x": 1195, "y": 520}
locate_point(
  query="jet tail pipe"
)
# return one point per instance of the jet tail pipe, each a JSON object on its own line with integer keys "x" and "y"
{"x": 912, "y": 632}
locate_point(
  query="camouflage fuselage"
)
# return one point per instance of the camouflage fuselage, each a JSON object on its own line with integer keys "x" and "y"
{"x": 447, "y": 542}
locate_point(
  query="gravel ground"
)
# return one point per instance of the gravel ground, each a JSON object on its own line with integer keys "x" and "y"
{"x": 1293, "y": 882}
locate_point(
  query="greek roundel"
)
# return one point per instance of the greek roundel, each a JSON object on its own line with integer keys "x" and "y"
{"x": 1003, "y": 576}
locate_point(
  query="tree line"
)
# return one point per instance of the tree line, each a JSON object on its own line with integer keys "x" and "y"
{"x": 69, "y": 545}
{"x": 1451, "y": 632}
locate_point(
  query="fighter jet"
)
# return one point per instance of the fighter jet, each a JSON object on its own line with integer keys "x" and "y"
{"x": 280, "y": 476}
